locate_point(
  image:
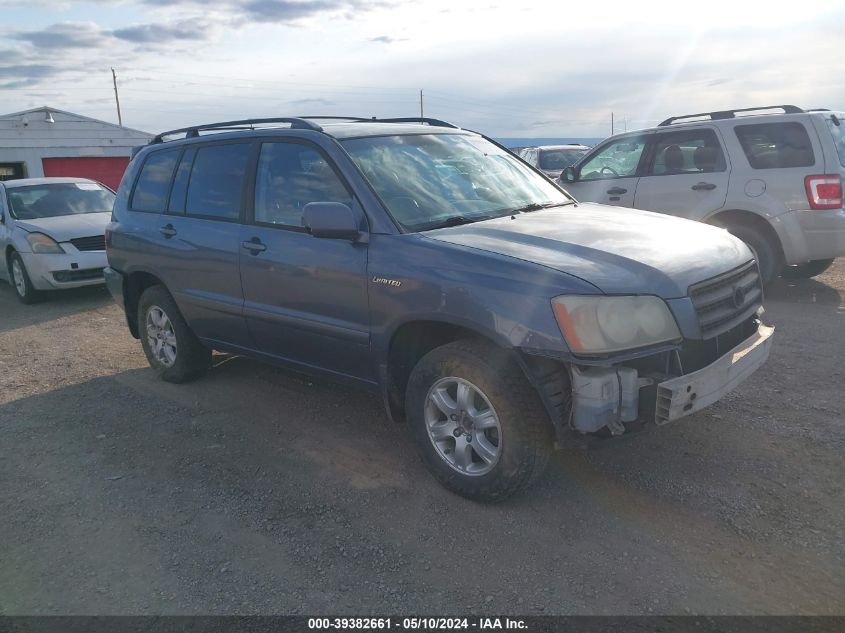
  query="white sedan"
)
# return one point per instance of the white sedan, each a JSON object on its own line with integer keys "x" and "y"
{"x": 52, "y": 234}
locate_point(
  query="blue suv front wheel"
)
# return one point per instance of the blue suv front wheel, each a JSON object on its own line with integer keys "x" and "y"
{"x": 479, "y": 426}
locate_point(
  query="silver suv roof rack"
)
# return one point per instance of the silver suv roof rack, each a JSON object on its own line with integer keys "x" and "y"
{"x": 244, "y": 124}
{"x": 730, "y": 114}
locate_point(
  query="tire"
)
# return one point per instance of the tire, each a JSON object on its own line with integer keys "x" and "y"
{"x": 767, "y": 254}
{"x": 516, "y": 439}
{"x": 20, "y": 281}
{"x": 805, "y": 271}
{"x": 172, "y": 349}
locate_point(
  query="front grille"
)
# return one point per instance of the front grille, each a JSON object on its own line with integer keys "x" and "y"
{"x": 92, "y": 243}
{"x": 724, "y": 301}
{"x": 78, "y": 275}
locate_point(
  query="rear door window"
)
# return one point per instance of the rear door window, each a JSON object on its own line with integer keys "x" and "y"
{"x": 153, "y": 184}
{"x": 180, "y": 183}
{"x": 776, "y": 145}
{"x": 686, "y": 152}
{"x": 217, "y": 180}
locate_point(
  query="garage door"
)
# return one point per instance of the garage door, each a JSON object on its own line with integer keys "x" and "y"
{"x": 108, "y": 170}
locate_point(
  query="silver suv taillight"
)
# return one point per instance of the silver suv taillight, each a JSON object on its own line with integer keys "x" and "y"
{"x": 824, "y": 192}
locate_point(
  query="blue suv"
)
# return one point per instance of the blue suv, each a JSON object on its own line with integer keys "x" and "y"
{"x": 489, "y": 309}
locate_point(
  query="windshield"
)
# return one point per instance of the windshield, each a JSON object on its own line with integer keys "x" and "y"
{"x": 428, "y": 180}
{"x": 560, "y": 158}
{"x": 55, "y": 199}
{"x": 836, "y": 125}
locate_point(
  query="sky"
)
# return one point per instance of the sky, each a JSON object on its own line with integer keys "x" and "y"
{"x": 505, "y": 68}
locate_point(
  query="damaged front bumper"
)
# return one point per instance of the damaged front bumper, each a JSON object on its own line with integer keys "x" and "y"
{"x": 613, "y": 396}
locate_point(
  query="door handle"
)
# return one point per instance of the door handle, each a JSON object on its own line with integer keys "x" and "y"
{"x": 616, "y": 191}
{"x": 254, "y": 245}
{"x": 703, "y": 186}
{"x": 167, "y": 230}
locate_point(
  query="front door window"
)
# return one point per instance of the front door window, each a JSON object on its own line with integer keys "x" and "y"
{"x": 618, "y": 159}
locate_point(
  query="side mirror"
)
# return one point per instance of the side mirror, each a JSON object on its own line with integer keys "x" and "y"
{"x": 333, "y": 220}
{"x": 570, "y": 174}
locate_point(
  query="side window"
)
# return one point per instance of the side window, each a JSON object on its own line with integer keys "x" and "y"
{"x": 834, "y": 124}
{"x": 154, "y": 182}
{"x": 290, "y": 175}
{"x": 617, "y": 159}
{"x": 216, "y": 181}
{"x": 687, "y": 152}
{"x": 180, "y": 183}
{"x": 776, "y": 145}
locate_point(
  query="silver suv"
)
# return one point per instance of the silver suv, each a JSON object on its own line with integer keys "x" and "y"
{"x": 772, "y": 176}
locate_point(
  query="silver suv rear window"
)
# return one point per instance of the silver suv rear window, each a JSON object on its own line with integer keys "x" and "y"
{"x": 776, "y": 145}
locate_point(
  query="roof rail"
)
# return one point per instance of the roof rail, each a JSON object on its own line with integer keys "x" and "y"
{"x": 730, "y": 114}
{"x": 335, "y": 118}
{"x": 244, "y": 124}
{"x": 409, "y": 119}
{"x": 417, "y": 119}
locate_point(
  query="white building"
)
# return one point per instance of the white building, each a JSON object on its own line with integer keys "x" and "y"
{"x": 49, "y": 142}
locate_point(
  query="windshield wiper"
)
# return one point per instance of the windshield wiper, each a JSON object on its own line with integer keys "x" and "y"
{"x": 457, "y": 220}
{"x": 535, "y": 206}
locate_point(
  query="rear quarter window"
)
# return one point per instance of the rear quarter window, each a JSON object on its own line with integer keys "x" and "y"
{"x": 776, "y": 145}
{"x": 153, "y": 185}
{"x": 837, "y": 130}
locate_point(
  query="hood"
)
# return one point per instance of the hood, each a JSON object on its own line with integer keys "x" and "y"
{"x": 64, "y": 228}
{"x": 620, "y": 251}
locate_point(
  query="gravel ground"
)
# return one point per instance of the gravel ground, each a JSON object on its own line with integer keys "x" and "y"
{"x": 256, "y": 490}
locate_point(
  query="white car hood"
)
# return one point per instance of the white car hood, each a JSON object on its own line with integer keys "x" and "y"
{"x": 64, "y": 228}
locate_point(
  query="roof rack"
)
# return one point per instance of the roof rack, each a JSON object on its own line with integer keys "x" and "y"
{"x": 297, "y": 123}
{"x": 730, "y": 114}
{"x": 417, "y": 119}
{"x": 335, "y": 118}
{"x": 409, "y": 119}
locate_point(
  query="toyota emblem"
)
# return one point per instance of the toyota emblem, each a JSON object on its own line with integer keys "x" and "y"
{"x": 738, "y": 297}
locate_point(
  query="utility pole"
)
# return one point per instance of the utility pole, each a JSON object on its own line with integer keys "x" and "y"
{"x": 611, "y": 123}
{"x": 421, "y": 105}
{"x": 116, "y": 98}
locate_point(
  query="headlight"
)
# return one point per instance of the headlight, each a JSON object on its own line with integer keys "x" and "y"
{"x": 41, "y": 243}
{"x": 597, "y": 325}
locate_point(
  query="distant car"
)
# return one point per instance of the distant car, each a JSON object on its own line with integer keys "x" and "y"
{"x": 772, "y": 176}
{"x": 553, "y": 159}
{"x": 52, "y": 232}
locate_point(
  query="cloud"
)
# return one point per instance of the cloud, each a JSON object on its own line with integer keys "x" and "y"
{"x": 163, "y": 33}
{"x": 305, "y": 102}
{"x": 386, "y": 39}
{"x": 292, "y": 11}
{"x": 285, "y": 11}
{"x": 25, "y": 75}
{"x": 63, "y": 36}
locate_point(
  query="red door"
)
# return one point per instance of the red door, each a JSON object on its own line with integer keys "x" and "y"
{"x": 105, "y": 169}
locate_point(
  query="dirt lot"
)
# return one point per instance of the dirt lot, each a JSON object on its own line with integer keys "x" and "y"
{"x": 255, "y": 490}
